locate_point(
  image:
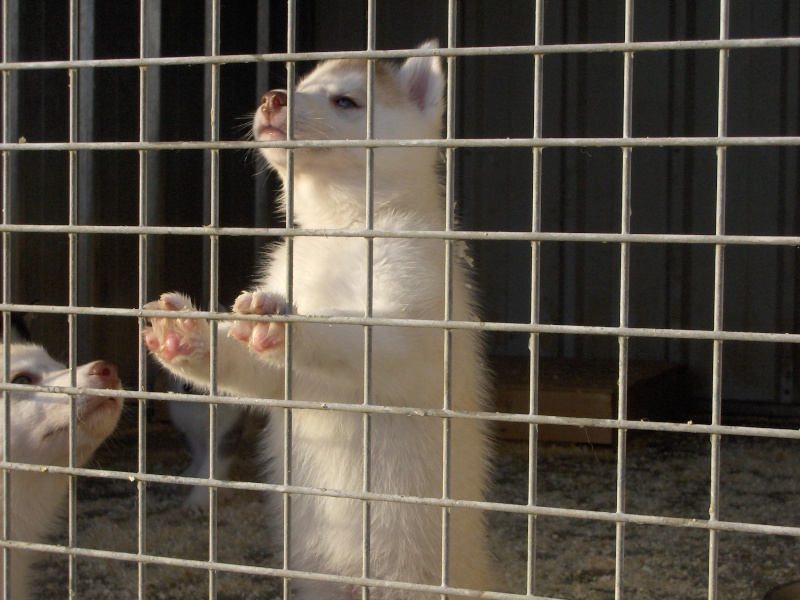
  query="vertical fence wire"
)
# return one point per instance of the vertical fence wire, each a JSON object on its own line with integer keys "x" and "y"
{"x": 213, "y": 288}
{"x": 449, "y": 188}
{"x": 719, "y": 290}
{"x": 85, "y": 175}
{"x": 624, "y": 299}
{"x": 5, "y": 485}
{"x": 369, "y": 216}
{"x": 144, "y": 274}
{"x": 291, "y": 24}
{"x": 262, "y": 209}
{"x": 72, "y": 498}
{"x": 535, "y": 309}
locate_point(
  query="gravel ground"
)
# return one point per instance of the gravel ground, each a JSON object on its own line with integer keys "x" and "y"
{"x": 668, "y": 475}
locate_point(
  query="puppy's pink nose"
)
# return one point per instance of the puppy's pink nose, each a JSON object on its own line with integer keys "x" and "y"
{"x": 104, "y": 369}
{"x": 273, "y": 101}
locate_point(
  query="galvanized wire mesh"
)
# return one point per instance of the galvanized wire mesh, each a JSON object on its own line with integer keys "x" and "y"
{"x": 627, "y": 143}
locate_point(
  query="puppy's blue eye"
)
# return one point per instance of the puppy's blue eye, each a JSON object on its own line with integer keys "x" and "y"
{"x": 345, "y": 102}
{"x": 22, "y": 379}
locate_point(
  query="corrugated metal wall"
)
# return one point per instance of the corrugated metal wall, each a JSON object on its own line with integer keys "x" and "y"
{"x": 675, "y": 94}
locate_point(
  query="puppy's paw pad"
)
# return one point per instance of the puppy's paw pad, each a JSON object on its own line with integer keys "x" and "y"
{"x": 259, "y": 335}
{"x": 174, "y": 338}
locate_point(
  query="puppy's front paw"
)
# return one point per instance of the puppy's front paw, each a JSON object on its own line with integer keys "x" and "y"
{"x": 175, "y": 340}
{"x": 259, "y": 336}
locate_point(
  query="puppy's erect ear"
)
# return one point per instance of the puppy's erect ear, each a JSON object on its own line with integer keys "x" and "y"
{"x": 423, "y": 81}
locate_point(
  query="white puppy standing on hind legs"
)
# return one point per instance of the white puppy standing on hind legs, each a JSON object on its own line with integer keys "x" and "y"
{"x": 407, "y": 363}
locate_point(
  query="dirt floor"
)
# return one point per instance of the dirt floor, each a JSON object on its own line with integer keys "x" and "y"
{"x": 668, "y": 475}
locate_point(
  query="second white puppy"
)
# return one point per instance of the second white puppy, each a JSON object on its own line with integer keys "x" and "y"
{"x": 38, "y": 433}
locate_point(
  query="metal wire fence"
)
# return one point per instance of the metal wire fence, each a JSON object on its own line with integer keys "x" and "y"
{"x": 145, "y": 232}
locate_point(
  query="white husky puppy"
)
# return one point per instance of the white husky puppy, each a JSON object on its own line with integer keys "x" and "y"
{"x": 407, "y": 363}
{"x": 38, "y": 433}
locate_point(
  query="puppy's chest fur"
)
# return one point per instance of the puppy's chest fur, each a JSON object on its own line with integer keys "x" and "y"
{"x": 332, "y": 275}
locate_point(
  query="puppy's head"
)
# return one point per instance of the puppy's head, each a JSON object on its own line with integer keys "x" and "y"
{"x": 331, "y": 104}
{"x": 39, "y": 425}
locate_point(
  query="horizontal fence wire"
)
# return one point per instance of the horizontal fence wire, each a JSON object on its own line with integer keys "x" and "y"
{"x": 543, "y": 142}
{"x": 267, "y": 571}
{"x": 535, "y": 50}
{"x": 508, "y": 236}
{"x": 642, "y": 332}
{"x": 486, "y": 506}
{"x": 582, "y": 422}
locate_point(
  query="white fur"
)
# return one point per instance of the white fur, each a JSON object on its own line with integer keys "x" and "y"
{"x": 39, "y": 434}
{"x": 192, "y": 419}
{"x": 329, "y": 279}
